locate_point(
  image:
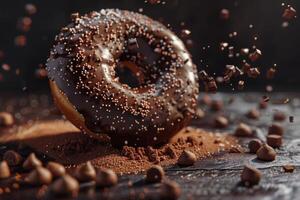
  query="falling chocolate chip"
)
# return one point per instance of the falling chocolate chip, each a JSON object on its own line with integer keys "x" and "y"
{"x": 279, "y": 116}
{"x": 56, "y": 169}
{"x": 221, "y": 122}
{"x": 244, "y": 51}
{"x": 253, "y": 114}
{"x": 106, "y": 178}
{"x": 186, "y": 159}
{"x": 20, "y": 40}
{"x": 4, "y": 170}
{"x": 254, "y": 145}
{"x": 155, "y": 174}
{"x": 241, "y": 85}
{"x": 266, "y": 153}
{"x": 243, "y": 130}
{"x": 31, "y": 162}
{"x": 271, "y": 73}
{"x": 12, "y": 158}
{"x": 253, "y": 72}
{"x": 211, "y": 85}
{"x": 274, "y": 141}
{"x": 65, "y": 186}
{"x": 289, "y": 168}
{"x": 224, "y": 14}
{"x": 86, "y": 172}
{"x": 203, "y": 75}
{"x": 255, "y": 55}
{"x": 289, "y": 13}
{"x": 275, "y": 129}
{"x": 170, "y": 190}
{"x": 216, "y": 105}
{"x": 6, "y": 119}
{"x": 250, "y": 176}
{"x": 30, "y": 9}
{"x": 185, "y": 33}
{"x": 39, "y": 176}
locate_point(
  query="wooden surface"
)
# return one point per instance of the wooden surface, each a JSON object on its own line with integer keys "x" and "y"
{"x": 214, "y": 178}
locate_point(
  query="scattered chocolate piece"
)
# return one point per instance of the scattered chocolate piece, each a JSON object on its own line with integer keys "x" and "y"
{"x": 86, "y": 172}
{"x": 243, "y": 130}
{"x": 224, "y": 14}
{"x": 289, "y": 168}
{"x": 223, "y": 45}
{"x": 254, "y": 145}
{"x": 271, "y": 73}
{"x": 250, "y": 176}
{"x": 31, "y": 162}
{"x": 6, "y": 119}
{"x": 39, "y": 176}
{"x": 289, "y": 13}
{"x": 56, "y": 169}
{"x": 20, "y": 40}
{"x": 65, "y": 186}
{"x": 279, "y": 116}
{"x": 244, "y": 51}
{"x": 186, "y": 159}
{"x": 170, "y": 190}
{"x": 253, "y": 72}
{"x": 216, "y": 105}
{"x": 4, "y": 170}
{"x": 155, "y": 174}
{"x": 12, "y": 158}
{"x": 221, "y": 122}
{"x": 253, "y": 114}
{"x": 266, "y": 153}
{"x": 274, "y": 141}
{"x": 263, "y": 104}
{"x": 275, "y": 129}
{"x": 30, "y": 9}
{"x": 241, "y": 85}
{"x": 210, "y": 85}
{"x": 255, "y": 55}
{"x": 185, "y": 33}
{"x": 106, "y": 178}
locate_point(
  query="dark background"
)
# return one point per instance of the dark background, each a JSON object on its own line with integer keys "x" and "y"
{"x": 279, "y": 45}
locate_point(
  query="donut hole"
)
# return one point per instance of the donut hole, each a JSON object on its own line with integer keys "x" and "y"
{"x": 130, "y": 74}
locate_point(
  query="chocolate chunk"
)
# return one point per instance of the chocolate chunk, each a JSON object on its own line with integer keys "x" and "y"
{"x": 279, "y": 116}
{"x": 224, "y": 14}
{"x": 289, "y": 13}
{"x": 39, "y": 176}
{"x": 4, "y": 170}
{"x": 20, "y": 40}
{"x": 221, "y": 122}
{"x": 210, "y": 85}
{"x": 274, "y": 141}
{"x": 254, "y": 145}
{"x": 170, "y": 190}
{"x": 241, "y": 85}
{"x": 186, "y": 158}
{"x": 253, "y": 72}
{"x": 253, "y": 114}
{"x": 243, "y": 130}
{"x": 185, "y": 33}
{"x": 56, "y": 169}
{"x": 244, "y": 51}
{"x": 266, "y": 153}
{"x": 155, "y": 174}
{"x": 65, "y": 186}
{"x": 6, "y": 119}
{"x": 263, "y": 104}
{"x": 250, "y": 176}
{"x": 275, "y": 129}
{"x": 86, "y": 172}
{"x": 271, "y": 73}
{"x": 12, "y": 158}
{"x": 30, "y": 9}
{"x": 216, "y": 105}
{"x": 31, "y": 162}
{"x": 255, "y": 55}
{"x": 106, "y": 178}
{"x": 289, "y": 168}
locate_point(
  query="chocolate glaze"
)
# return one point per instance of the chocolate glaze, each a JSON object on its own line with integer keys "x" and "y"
{"x": 82, "y": 63}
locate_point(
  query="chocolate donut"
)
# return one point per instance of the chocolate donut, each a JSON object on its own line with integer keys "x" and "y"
{"x": 86, "y": 70}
